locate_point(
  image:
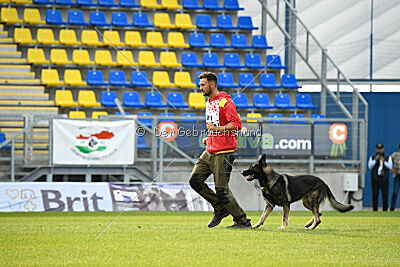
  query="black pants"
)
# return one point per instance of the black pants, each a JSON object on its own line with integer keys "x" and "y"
{"x": 383, "y": 184}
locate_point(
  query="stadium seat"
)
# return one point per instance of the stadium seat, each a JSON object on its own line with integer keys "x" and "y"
{"x": 133, "y": 38}
{"x": 43, "y": 2}
{"x": 217, "y": 40}
{"x": 153, "y": 99}
{"x": 65, "y": 2}
{"x": 267, "y": 80}
{"x": 297, "y": 116}
{"x": 261, "y": 101}
{"x": 168, "y": 59}
{"x": 120, "y": 19}
{"x": 150, "y": 4}
{"x": 210, "y": 60}
{"x": 87, "y": 99}
{"x": 95, "y": 78}
{"x": 283, "y": 101}
{"x": 98, "y": 18}
{"x": 76, "y": 17}
{"x": 141, "y": 142}
{"x": 304, "y": 101}
{"x": 197, "y": 78}
{"x": 189, "y": 115}
{"x": 175, "y": 39}
{"x": 170, "y": 4}
{"x": 318, "y": 116}
{"x": 99, "y": 114}
{"x": 77, "y": 115}
{"x": 3, "y": 138}
{"x": 274, "y": 62}
{"x": 203, "y": 21}
{"x": 132, "y": 100}
{"x": 246, "y": 80}
{"x": 108, "y": 99}
{"x": 46, "y": 37}
{"x": 81, "y": 57}
{"x": 225, "y": 80}
{"x": 36, "y": 56}
{"x": 253, "y": 61}
{"x": 239, "y": 41}
{"x": 54, "y": 17}
{"x": 86, "y": 3}
{"x": 111, "y": 38}
{"x": 73, "y": 78}
{"x": 139, "y": 79}
{"x": 23, "y": 36}
{"x": 64, "y": 98}
{"x": 289, "y": 81}
{"x": 146, "y": 121}
{"x": 275, "y": 115}
{"x": 161, "y": 20}
{"x": 68, "y": 37}
{"x": 232, "y": 5}
{"x": 50, "y": 77}
{"x": 183, "y": 80}
{"x": 128, "y": 3}
{"x": 211, "y": 5}
{"x": 260, "y": 42}
{"x": 225, "y": 22}
{"x": 141, "y": 20}
{"x": 10, "y": 15}
{"x": 189, "y": 59}
{"x": 107, "y": 3}
{"x": 183, "y": 21}
{"x": 191, "y": 4}
{"x": 197, "y": 40}
{"x": 253, "y": 115}
{"x": 246, "y": 23}
{"x": 232, "y": 61}
{"x": 103, "y": 58}
{"x": 59, "y": 57}
{"x": 240, "y": 101}
{"x": 90, "y": 38}
{"x": 197, "y": 100}
{"x": 161, "y": 79}
{"x": 175, "y": 99}
{"x": 117, "y": 78}
{"x": 147, "y": 59}
{"x": 167, "y": 114}
{"x": 32, "y": 16}
{"x": 125, "y": 58}
{"x": 155, "y": 39}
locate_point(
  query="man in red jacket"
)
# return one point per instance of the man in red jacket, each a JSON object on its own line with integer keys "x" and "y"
{"x": 222, "y": 122}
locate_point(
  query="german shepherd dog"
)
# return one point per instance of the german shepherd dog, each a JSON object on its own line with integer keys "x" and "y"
{"x": 282, "y": 189}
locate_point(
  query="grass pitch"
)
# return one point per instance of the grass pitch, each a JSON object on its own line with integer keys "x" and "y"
{"x": 182, "y": 238}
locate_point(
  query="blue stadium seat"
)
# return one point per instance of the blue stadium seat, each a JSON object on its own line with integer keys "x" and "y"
{"x": 275, "y": 62}
{"x": 139, "y": 79}
{"x": 197, "y": 40}
{"x": 153, "y": 99}
{"x": 253, "y": 61}
{"x": 297, "y": 116}
{"x": 245, "y": 23}
{"x": 246, "y": 80}
{"x": 141, "y": 142}
{"x": 76, "y": 17}
{"x": 225, "y": 22}
{"x": 175, "y": 99}
{"x": 189, "y": 115}
{"x": 86, "y": 3}
{"x": 318, "y": 116}
{"x": 304, "y": 101}
{"x": 43, "y": 2}
{"x": 146, "y": 121}
{"x": 108, "y": 99}
{"x": 128, "y": 3}
{"x": 119, "y": 113}
{"x": 2, "y": 139}
{"x": 54, "y": 17}
{"x": 141, "y": 20}
{"x": 65, "y": 2}
{"x": 275, "y": 115}
{"x": 117, "y": 78}
{"x": 197, "y": 78}
{"x": 268, "y": 81}
{"x": 107, "y": 3}
{"x": 289, "y": 81}
{"x": 240, "y": 101}
{"x": 168, "y": 114}
{"x": 217, "y": 40}
{"x": 225, "y": 80}
{"x": 98, "y": 18}
{"x": 239, "y": 41}
{"x": 189, "y": 59}
{"x": 119, "y": 19}
{"x": 191, "y": 4}
{"x": 95, "y": 78}
{"x": 261, "y": 101}
{"x": 283, "y": 101}
{"x": 232, "y": 60}
{"x": 132, "y": 100}
{"x": 212, "y": 5}
{"x": 210, "y": 60}
{"x": 232, "y": 5}
{"x": 203, "y": 21}
{"x": 260, "y": 42}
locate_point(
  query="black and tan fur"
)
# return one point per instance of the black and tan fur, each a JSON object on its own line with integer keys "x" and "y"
{"x": 282, "y": 189}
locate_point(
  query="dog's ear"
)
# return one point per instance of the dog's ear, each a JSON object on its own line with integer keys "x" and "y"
{"x": 263, "y": 160}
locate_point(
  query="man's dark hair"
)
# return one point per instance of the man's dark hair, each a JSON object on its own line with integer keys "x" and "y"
{"x": 210, "y": 76}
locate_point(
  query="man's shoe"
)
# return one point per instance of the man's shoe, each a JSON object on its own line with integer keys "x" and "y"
{"x": 218, "y": 216}
{"x": 241, "y": 224}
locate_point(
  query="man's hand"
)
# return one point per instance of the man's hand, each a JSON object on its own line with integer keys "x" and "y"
{"x": 211, "y": 127}
{"x": 377, "y": 157}
{"x": 205, "y": 141}
{"x": 382, "y": 159}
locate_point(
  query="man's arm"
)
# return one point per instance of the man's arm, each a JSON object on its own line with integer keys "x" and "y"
{"x": 389, "y": 163}
{"x": 371, "y": 163}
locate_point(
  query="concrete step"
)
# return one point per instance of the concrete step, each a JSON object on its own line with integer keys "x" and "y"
{"x": 15, "y": 68}
{"x": 13, "y": 60}
{"x": 34, "y": 103}
{"x": 21, "y": 89}
{"x": 29, "y": 110}
{"x": 3, "y": 34}
{"x": 37, "y": 132}
{"x": 6, "y": 40}
{"x": 23, "y": 96}
{"x": 20, "y": 81}
{"x": 7, "y": 54}
{"x": 1, "y": 27}
{"x": 20, "y": 124}
{"x": 43, "y": 139}
{"x": 17, "y": 75}
{"x": 8, "y": 48}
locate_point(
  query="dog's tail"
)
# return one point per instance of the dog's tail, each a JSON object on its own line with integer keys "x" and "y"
{"x": 337, "y": 205}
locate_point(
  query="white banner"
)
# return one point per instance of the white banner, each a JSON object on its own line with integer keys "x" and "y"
{"x": 81, "y": 142}
{"x": 24, "y": 197}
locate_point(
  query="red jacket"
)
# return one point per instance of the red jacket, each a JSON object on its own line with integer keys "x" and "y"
{"x": 220, "y": 111}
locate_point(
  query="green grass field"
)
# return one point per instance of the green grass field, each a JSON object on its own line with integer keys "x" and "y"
{"x": 182, "y": 238}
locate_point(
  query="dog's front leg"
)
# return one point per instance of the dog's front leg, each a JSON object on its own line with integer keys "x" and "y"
{"x": 264, "y": 216}
{"x": 285, "y": 220}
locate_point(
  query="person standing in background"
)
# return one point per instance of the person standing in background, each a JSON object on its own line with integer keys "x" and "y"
{"x": 396, "y": 177}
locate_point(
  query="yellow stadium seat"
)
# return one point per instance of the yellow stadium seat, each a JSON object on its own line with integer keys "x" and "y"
{"x": 147, "y": 59}
{"x": 90, "y": 38}
{"x": 149, "y": 4}
{"x": 87, "y": 99}
{"x": 77, "y": 115}
{"x": 21, "y": 1}
{"x": 111, "y": 38}
{"x": 183, "y": 80}
{"x": 168, "y": 59}
{"x": 103, "y": 58}
{"x": 133, "y": 38}
{"x": 32, "y": 16}
{"x": 73, "y": 78}
{"x": 68, "y": 37}
{"x": 155, "y": 39}
{"x": 23, "y": 36}
{"x": 46, "y": 36}
{"x": 64, "y": 99}
{"x": 161, "y": 20}
{"x": 50, "y": 77}
{"x": 97, "y": 114}
{"x": 10, "y": 15}
{"x": 81, "y": 57}
{"x": 170, "y": 4}
{"x": 59, "y": 57}
{"x": 175, "y": 39}
{"x": 183, "y": 21}
{"x": 197, "y": 100}
{"x": 5, "y": 1}
{"x": 253, "y": 115}
{"x": 36, "y": 56}
{"x": 161, "y": 79}
{"x": 125, "y": 58}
